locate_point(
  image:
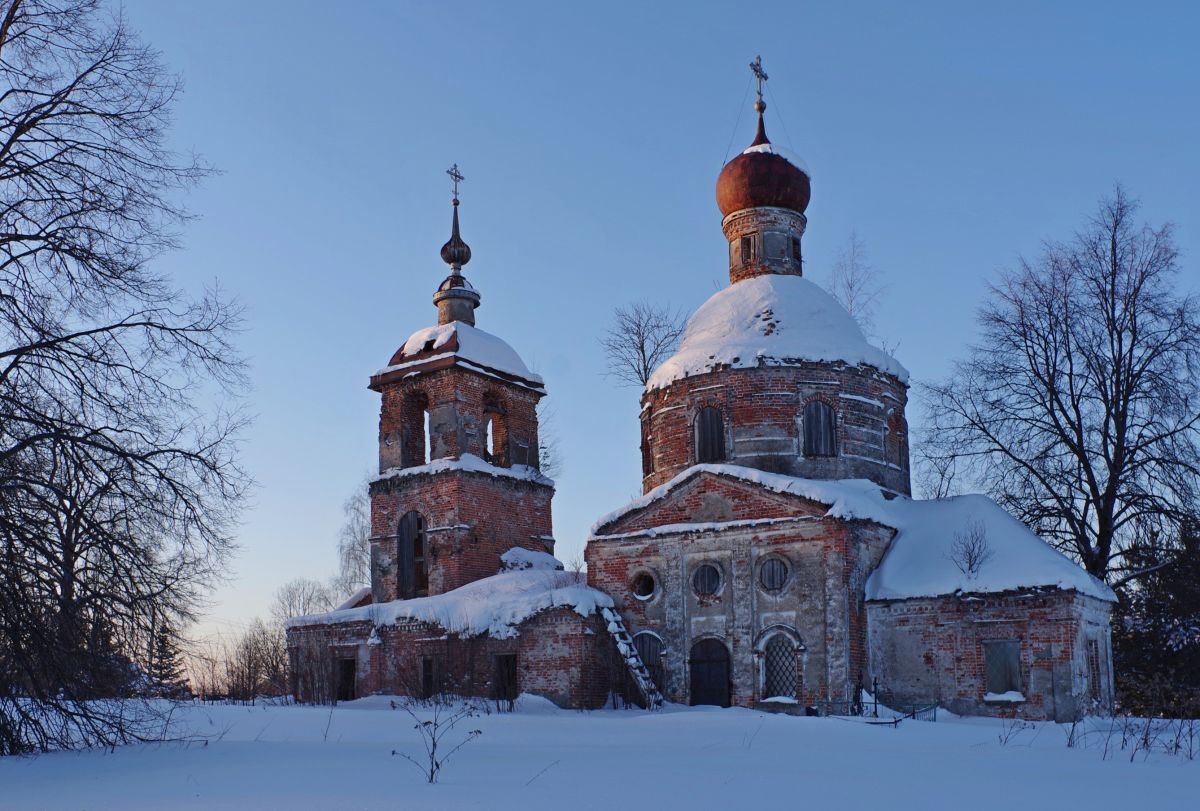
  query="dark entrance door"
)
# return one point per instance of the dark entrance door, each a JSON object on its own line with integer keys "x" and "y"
{"x": 504, "y": 685}
{"x": 347, "y": 674}
{"x": 709, "y": 668}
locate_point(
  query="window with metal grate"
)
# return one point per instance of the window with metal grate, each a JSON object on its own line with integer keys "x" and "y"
{"x": 779, "y": 667}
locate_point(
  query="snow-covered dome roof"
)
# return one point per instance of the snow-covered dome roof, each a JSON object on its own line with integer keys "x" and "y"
{"x": 771, "y": 320}
{"x": 462, "y": 342}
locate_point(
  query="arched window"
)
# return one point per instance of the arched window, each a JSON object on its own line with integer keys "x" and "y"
{"x": 495, "y": 435}
{"x": 428, "y": 439}
{"x": 415, "y": 441}
{"x": 649, "y": 647}
{"x": 647, "y": 444}
{"x": 412, "y": 574}
{"x": 710, "y": 435}
{"x": 779, "y": 667}
{"x": 819, "y": 430}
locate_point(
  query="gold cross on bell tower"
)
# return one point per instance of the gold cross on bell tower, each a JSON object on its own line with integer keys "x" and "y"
{"x": 457, "y": 177}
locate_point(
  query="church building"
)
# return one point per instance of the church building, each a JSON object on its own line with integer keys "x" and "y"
{"x": 776, "y": 558}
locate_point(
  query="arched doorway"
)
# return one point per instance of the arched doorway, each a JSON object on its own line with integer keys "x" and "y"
{"x": 708, "y": 667}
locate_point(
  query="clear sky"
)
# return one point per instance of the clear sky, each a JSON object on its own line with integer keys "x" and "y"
{"x": 952, "y": 137}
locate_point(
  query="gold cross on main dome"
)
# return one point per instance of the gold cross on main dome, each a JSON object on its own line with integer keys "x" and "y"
{"x": 757, "y": 69}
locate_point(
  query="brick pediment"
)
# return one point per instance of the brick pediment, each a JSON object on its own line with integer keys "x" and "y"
{"x": 707, "y": 497}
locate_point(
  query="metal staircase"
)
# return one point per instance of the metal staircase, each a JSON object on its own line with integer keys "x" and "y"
{"x": 633, "y": 661}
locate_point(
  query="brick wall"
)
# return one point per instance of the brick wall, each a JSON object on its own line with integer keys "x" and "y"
{"x": 459, "y": 400}
{"x": 763, "y": 408}
{"x": 931, "y": 649}
{"x": 828, "y": 561}
{"x": 471, "y": 518}
{"x": 562, "y": 656}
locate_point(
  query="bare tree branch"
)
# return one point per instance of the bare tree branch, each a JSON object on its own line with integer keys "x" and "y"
{"x": 1079, "y": 409}
{"x": 641, "y": 337}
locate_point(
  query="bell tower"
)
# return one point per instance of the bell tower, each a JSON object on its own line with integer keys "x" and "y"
{"x": 459, "y": 481}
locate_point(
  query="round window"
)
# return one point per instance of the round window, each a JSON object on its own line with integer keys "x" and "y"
{"x": 772, "y": 575}
{"x": 644, "y": 586}
{"x": 706, "y": 580}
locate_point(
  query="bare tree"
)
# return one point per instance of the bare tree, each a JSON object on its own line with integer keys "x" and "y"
{"x": 118, "y": 491}
{"x": 354, "y": 543}
{"x": 855, "y": 283}
{"x": 1079, "y": 407}
{"x": 299, "y": 597}
{"x": 443, "y": 713}
{"x": 971, "y": 549}
{"x": 641, "y": 337}
{"x": 549, "y": 448}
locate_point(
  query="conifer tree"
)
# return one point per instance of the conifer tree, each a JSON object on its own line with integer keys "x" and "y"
{"x": 1156, "y": 631}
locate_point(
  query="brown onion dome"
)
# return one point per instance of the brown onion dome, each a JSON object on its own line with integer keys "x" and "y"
{"x": 760, "y": 176}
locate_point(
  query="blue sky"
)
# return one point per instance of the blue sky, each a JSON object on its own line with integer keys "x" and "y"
{"x": 953, "y": 137}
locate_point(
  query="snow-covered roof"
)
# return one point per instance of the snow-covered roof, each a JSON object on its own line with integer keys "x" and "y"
{"x": 771, "y": 320}
{"x": 495, "y": 605}
{"x": 475, "y": 346}
{"x": 846, "y": 498}
{"x": 470, "y": 462}
{"x": 920, "y": 559}
{"x": 355, "y": 598}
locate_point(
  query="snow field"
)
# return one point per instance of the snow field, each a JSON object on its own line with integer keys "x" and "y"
{"x": 269, "y": 757}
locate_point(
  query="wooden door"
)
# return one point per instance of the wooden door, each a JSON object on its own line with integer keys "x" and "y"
{"x": 709, "y": 670}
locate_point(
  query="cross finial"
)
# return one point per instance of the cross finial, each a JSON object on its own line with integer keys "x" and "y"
{"x": 457, "y": 177}
{"x": 757, "y": 69}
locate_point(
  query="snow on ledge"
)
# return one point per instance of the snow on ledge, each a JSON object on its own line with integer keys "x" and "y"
{"x": 469, "y": 462}
{"x": 771, "y": 320}
{"x": 1010, "y": 697}
{"x": 518, "y": 559}
{"x": 494, "y": 606}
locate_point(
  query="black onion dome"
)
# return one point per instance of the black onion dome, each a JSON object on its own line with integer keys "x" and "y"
{"x": 455, "y": 252}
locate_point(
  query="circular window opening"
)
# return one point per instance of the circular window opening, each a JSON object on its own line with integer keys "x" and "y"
{"x": 773, "y": 574}
{"x": 706, "y": 580}
{"x": 644, "y": 586}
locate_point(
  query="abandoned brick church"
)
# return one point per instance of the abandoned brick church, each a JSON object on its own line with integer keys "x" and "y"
{"x": 776, "y": 557}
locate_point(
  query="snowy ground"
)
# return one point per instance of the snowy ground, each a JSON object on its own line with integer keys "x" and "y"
{"x": 541, "y": 757}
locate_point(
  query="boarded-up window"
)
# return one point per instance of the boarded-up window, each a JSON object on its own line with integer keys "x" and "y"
{"x": 710, "y": 435}
{"x": 649, "y": 648}
{"x": 772, "y": 574}
{"x": 747, "y": 249}
{"x": 796, "y": 249}
{"x": 1093, "y": 655}
{"x": 412, "y": 574}
{"x": 429, "y": 677}
{"x": 706, "y": 580}
{"x": 1003, "y": 662}
{"x": 819, "y": 430}
{"x": 779, "y": 667}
